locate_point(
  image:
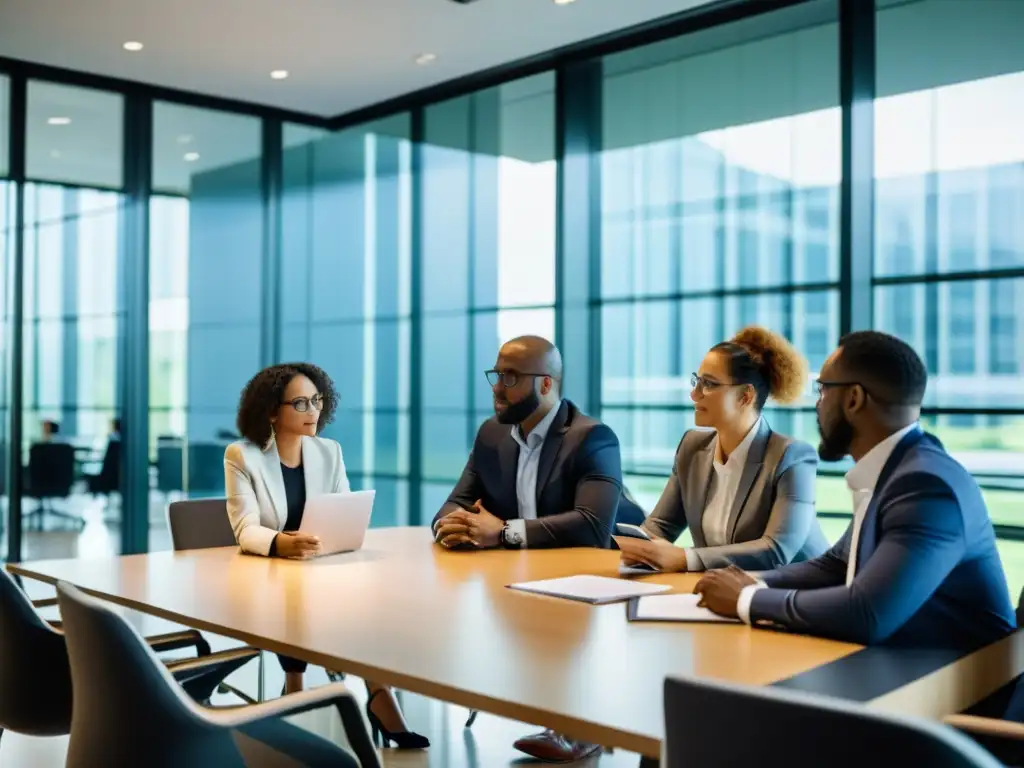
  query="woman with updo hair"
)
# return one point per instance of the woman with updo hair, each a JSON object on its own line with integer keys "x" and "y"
{"x": 745, "y": 492}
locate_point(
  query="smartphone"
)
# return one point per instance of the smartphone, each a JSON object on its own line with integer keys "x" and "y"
{"x": 633, "y": 531}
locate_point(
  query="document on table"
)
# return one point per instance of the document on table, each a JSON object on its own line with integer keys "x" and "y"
{"x": 672, "y": 608}
{"x": 596, "y": 590}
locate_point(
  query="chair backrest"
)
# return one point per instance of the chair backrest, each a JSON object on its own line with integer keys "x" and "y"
{"x": 170, "y": 471}
{"x": 200, "y": 524}
{"x": 128, "y": 710}
{"x": 206, "y": 467}
{"x": 51, "y": 469}
{"x": 35, "y": 680}
{"x": 780, "y": 728}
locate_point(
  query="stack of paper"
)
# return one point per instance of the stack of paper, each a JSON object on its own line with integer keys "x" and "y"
{"x": 671, "y": 608}
{"x": 596, "y": 590}
{"x": 637, "y": 569}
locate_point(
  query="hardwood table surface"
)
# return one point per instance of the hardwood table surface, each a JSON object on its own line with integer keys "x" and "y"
{"x": 404, "y": 612}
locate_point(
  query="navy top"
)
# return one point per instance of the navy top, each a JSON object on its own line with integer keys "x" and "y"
{"x": 295, "y": 496}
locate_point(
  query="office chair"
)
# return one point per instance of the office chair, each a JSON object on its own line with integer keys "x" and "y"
{"x": 35, "y": 679}
{"x": 782, "y": 728}
{"x": 203, "y": 524}
{"x": 128, "y": 711}
{"x": 51, "y": 473}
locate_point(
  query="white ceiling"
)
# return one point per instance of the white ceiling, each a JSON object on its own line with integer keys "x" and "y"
{"x": 341, "y": 54}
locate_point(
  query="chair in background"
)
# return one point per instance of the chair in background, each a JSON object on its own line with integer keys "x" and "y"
{"x": 782, "y": 728}
{"x": 35, "y": 679}
{"x": 170, "y": 470}
{"x": 127, "y": 710}
{"x": 51, "y": 474}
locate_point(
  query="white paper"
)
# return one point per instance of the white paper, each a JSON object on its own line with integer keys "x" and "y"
{"x": 590, "y": 589}
{"x": 636, "y": 570}
{"x": 675, "y": 608}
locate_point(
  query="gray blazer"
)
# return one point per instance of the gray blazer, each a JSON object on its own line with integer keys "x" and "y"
{"x": 772, "y": 521}
{"x": 257, "y": 505}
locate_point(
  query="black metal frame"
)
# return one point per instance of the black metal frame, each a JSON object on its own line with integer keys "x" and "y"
{"x": 579, "y": 82}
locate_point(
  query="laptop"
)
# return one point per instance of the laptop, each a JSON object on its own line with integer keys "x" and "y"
{"x": 339, "y": 519}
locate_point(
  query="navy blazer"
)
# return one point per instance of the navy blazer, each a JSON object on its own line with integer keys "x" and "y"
{"x": 928, "y": 572}
{"x": 579, "y": 481}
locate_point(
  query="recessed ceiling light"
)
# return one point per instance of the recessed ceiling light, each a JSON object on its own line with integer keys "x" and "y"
{"x": 185, "y": 138}
{"x": 133, "y": 45}
{"x": 279, "y": 74}
{"x": 564, "y": 2}
{"x": 59, "y": 120}
{"x": 425, "y": 58}
{"x": 191, "y": 157}
{"x": 55, "y": 154}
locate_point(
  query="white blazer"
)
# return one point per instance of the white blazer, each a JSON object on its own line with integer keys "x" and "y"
{"x": 257, "y": 505}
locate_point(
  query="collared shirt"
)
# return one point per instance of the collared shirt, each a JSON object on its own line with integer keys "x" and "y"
{"x": 530, "y": 449}
{"x": 725, "y": 481}
{"x": 861, "y": 480}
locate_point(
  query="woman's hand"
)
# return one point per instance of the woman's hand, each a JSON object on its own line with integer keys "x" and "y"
{"x": 657, "y": 553}
{"x": 297, "y": 545}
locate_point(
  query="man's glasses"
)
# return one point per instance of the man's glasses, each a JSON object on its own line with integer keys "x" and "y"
{"x": 303, "y": 404}
{"x": 508, "y": 378}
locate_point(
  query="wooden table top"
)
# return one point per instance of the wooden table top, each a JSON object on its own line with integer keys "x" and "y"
{"x": 404, "y": 612}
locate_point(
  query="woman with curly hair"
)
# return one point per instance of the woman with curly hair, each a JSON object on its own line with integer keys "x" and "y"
{"x": 745, "y": 492}
{"x": 268, "y": 476}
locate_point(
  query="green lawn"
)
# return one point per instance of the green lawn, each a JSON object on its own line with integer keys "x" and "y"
{"x": 1004, "y": 507}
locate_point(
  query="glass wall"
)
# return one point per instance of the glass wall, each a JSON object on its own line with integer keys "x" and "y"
{"x": 73, "y": 317}
{"x": 345, "y": 291}
{"x": 206, "y": 295}
{"x": 949, "y": 220}
{"x": 7, "y": 225}
{"x": 488, "y": 239}
{"x": 719, "y": 209}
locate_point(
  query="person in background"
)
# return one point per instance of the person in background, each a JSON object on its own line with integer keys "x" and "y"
{"x": 542, "y": 474}
{"x": 269, "y": 474}
{"x": 918, "y": 566}
{"x": 745, "y": 492}
{"x": 50, "y": 431}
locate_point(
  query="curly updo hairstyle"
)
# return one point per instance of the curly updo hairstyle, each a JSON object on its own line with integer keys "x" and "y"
{"x": 766, "y": 361}
{"x": 264, "y": 393}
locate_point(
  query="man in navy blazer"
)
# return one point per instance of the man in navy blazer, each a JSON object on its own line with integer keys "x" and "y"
{"x": 925, "y": 570}
{"x": 542, "y": 473}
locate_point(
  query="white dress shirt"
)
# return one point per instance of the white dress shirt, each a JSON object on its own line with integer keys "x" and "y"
{"x": 725, "y": 481}
{"x": 861, "y": 480}
{"x": 530, "y": 449}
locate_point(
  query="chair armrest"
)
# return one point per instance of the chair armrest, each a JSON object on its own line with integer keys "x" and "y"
{"x": 173, "y": 641}
{"x": 198, "y": 663}
{"x": 986, "y": 726}
{"x": 336, "y": 694}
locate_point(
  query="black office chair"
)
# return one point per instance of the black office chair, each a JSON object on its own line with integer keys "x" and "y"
{"x": 35, "y": 679}
{"x": 781, "y": 728}
{"x": 127, "y": 711}
{"x": 51, "y": 474}
{"x": 170, "y": 470}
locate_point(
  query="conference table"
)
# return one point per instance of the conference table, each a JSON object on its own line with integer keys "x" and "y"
{"x": 404, "y": 612}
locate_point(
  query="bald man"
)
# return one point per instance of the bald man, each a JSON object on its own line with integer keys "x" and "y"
{"x": 542, "y": 474}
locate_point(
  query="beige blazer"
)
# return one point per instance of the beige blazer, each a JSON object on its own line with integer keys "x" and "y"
{"x": 257, "y": 506}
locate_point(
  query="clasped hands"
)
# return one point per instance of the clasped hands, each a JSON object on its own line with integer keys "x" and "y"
{"x": 479, "y": 529}
{"x": 719, "y": 590}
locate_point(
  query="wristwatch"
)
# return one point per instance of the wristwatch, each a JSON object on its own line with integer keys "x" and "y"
{"x": 510, "y": 538}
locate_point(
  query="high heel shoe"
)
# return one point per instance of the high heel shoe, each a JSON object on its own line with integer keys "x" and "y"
{"x": 403, "y": 739}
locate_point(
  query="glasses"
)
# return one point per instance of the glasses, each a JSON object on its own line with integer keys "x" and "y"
{"x": 508, "y": 378}
{"x": 303, "y": 404}
{"x": 705, "y": 385}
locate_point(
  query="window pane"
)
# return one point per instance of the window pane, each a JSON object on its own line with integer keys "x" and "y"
{"x": 949, "y": 137}
{"x": 489, "y": 198}
{"x": 5, "y": 102}
{"x": 721, "y": 158}
{"x": 73, "y": 135}
{"x": 970, "y": 335}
